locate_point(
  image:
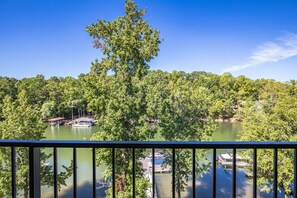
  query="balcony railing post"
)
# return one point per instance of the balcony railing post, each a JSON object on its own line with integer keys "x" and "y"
{"x": 234, "y": 173}
{"x": 194, "y": 172}
{"x": 133, "y": 173}
{"x": 173, "y": 173}
{"x": 74, "y": 172}
{"x": 13, "y": 173}
{"x": 94, "y": 171}
{"x": 55, "y": 173}
{"x": 295, "y": 172}
{"x": 153, "y": 171}
{"x": 214, "y": 170}
{"x": 34, "y": 172}
{"x": 255, "y": 174}
{"x": 275, "y": 173}
{"x": 113, "y": 173}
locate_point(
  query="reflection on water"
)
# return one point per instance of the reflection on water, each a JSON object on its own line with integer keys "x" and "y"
{"x": 204, "y": 185}
{"x": 224, "y": 132}
{"x": 227, "y": 132}
{"x": 84, "y": 159}
{"x": 69, "y": 133}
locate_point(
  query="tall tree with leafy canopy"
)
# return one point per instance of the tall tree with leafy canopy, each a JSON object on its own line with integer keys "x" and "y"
{"x": 128, "y": 44}
{"x": 35, "y": 88}
{"x": 22, "y": 121}
{"x": 272, "y": 118}
{"x": 7, "y": 88}
{"x": 182, "y": 117}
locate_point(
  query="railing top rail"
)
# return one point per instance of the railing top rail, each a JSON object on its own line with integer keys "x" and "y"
{"x": 144, "y": 144}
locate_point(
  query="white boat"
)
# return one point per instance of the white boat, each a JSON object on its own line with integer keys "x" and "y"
{"x": 83, "y": 122}
{"x": 226, "y": 160}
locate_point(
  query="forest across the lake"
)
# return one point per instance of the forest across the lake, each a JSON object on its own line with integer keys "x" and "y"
{"x": 223, "y": 95}
{"x": 178, "y": 103}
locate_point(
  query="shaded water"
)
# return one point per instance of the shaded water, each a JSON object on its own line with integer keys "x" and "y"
{"x": 224, "y": 132}
{"x": 84, "y": 159}
{"x": 227, "y": 131}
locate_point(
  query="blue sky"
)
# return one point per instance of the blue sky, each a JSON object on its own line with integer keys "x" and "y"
{"x": 256, "y": 38}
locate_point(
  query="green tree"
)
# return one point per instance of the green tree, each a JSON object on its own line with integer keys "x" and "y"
{"x": 273, "y": 118}
{"x": 183, "y": 118}
{"x": 48, "y": 109}
{"x": 7, "y": 88}
{"x": 72, "y": 96}
{"x": 128, "y": 44}
{"x": 55, "y": 91}
{"x": 246, "y": 89}
{"x": 35, "y": 88}
{"x": 156, "y": 83}
{"x": 22, "y": 121}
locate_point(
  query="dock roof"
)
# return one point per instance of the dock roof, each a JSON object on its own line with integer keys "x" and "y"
{"x": 56, "y": 119}
{"x": 84, "y": 119}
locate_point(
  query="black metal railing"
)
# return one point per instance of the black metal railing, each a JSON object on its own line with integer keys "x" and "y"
{"x": 34, "y": 164}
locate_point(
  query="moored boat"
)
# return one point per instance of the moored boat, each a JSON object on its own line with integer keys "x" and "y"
{"x": 83, "y": 122}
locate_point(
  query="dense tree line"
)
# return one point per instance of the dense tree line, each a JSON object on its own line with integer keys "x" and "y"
{"x": 179, "y": 102}
{"x": 60, "y": 96}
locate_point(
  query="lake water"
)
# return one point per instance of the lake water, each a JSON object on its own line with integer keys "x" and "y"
{"x": 224, "y": 132}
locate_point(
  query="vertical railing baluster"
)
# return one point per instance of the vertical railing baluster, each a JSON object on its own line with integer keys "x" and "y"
{"x": 94, "y": 171}
{"x": 113, "y": 174}
{"x": 255, "y": 174}
{"x": 295, "y": 172}
{"x": 214, "y": 170}
{"x": 55, "y": 173}
{"x": 194, "y": 173}
{"x": 34, "y": 172}
{"x": 31, "y": 171}
{"x": 153, "y": 170}
{"x": 133, "y": 172}
{"x": 173, "y": 173}
{"x": 234, "y": 173}
{"x": 275, "y": 174}
{"x": 74, "y": 173}
{"x": 13, "y": 173}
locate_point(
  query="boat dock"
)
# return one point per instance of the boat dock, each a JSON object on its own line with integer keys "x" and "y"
{"x": 56, "y": 121}
{"x": 83, "y": 122}
{"x": 159, "y": 168}
{"x": 226, "y": 160}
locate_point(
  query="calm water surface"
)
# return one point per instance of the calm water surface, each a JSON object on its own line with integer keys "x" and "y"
{"x": 84, "y": 159}
{"x": 224, "y": 132}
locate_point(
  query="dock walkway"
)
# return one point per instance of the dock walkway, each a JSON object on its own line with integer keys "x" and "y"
{"x": 159, "y": 168}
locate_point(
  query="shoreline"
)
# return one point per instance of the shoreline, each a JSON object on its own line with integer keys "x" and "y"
{"x": 228, "y": 120}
